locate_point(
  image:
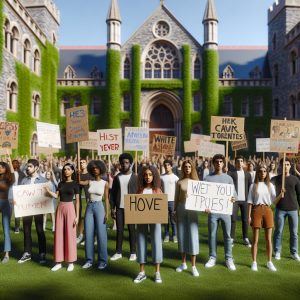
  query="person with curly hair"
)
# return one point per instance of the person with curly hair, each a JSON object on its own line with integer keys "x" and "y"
{"x": 149, "y": 183}
{"x": 96, "y": 216}
{"x": 187, "y": 220}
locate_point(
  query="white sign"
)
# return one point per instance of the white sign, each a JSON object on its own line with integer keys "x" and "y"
{"x": 109, "y": 141}
{"x": 216, "y": 197}
{"x": 136, "y": 139}
{"x": 198, "y": 138}
{"x": 92, "y": 143}
{"x": 263, "y": 145}
{"x": 48, "y": 135}
{"x": 209, "y": 149}
{"x": 32, "y": 199}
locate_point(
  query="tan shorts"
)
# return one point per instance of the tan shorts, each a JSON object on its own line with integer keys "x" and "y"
{"x": 262, "y": 216}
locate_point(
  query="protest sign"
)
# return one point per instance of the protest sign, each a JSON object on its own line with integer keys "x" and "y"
{"x": 198, "y": 138}
{"x": 136, "y": 139}
{"x": 209, "y": 149}
{"x": 91, "y": 143}
{"x": 227, "y": 128}
{"x": 239, "y": 145}
{"x": 9, "y": 134}
{"x": 32, "y": 199}
{"x": 190, "y": 146}
{"x": 48, "y": 135}
{"x": 262, "y": 145}
{"x": 146, "y": 209}
{"x": 77, "y": 127}
{"x": 109, "y": 141}
{"x": 216, "y": 197}
{"x": 163, "y": 145}
{"x": 5, "y": 151}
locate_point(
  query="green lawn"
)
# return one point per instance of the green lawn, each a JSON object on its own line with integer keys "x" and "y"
{"x": 31, "y": 280}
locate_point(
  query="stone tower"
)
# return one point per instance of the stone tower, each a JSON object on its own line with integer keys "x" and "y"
{"x": 210, "y": 23}
{"x": 113, "y": 22}
{"x": 47, "y": 16}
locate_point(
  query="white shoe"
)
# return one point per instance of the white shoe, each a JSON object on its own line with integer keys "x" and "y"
{"x": 277, "y": 256}
{"x": 247, "y": 243}
{"x": 166, "y": 239}
{"x": 157, "y": 277}
{"x": 230, "y": 264}
{"x": 56, "y": 267}
{"x": 271, "y": 267}
{"x": 295, "y": 257}
{"x": 70, "y": 267}
{"x": 254, "y": 266}
{"x": 79, "y": 239}
{"x": 116, "y": 256}
{"x": 132, "y": 257}
{"x": 181, "y": 268}
{"x": 141, "y": 276}
{"x": 211, "y": 262}
{"x": 87, "y": 265}
{"x": 195, "y": 271}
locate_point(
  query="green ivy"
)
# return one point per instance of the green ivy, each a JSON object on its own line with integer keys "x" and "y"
{"x": 112, "y": 106}
{"x": 187, "y": 93}
{"x": 172, "y": 84}
{"x": 1, "y": 35}
{"x": 210, "y": 87}
{"x": 136, "y": 86}
{"x": 125, "y": 86}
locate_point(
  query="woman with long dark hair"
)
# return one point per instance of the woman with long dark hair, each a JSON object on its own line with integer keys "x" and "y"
{"x": 65, "y": 247}
{"x": 149, "y": 183}
{"x": 6, "y": 181}
{"x": 187, "y": 220}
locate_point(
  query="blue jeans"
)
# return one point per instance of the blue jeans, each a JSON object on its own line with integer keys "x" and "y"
{"x": 212, "y": 234}
{"x": 94, "y": 223}
{"x": 5, "y": 209}
{"x": 170, "y": 220}
{"x": 280, "y": 216}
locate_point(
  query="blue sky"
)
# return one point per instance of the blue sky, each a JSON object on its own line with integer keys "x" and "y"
{"x": 241, "y": 22}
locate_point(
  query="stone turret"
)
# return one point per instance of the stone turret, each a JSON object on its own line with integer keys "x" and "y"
{"x": 113, "y": 22}
{"x": 210, "y": 22}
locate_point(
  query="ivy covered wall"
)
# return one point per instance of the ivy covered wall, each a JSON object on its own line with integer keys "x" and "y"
{"x": 136, "y": 86}
{"x": 1, "y": 35}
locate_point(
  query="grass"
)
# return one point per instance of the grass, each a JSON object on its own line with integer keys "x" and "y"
{"x": 31, "y": 280}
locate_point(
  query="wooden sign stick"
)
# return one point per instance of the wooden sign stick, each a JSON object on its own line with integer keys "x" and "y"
{"x": 226, "y": 158}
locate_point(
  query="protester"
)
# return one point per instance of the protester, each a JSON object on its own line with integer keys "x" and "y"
{"x": 273, "y": 169}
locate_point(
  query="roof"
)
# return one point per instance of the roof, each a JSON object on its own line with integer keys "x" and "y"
{"x": 210, "y": 11}
{"x": 114, "y": 12}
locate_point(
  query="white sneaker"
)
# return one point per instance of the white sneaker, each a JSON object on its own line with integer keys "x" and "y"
{"x": 277, "y": 256}
{"x": 166, "y": 239}
{"x": 230, "y": 264}
{"x": 271, "y": 267}
{"x": 70, "y": 267}
{"x": 116, "y": 256}
{"x": 87, "y": 265}
{"x": 181, "y": 268}
{"x": 195, "y": 271}
{"x": 79, "y": 239}
{"x": 56, "y": 267}
{"x": 141, "y": 276}
{"x": 157, "y": 277}
{"x": 247, "y": 243}
{"x": 211, "y": 262}
{"x": 132, "y": 257}
{"x": 254, "y": 266}
{"x": 295, "y": 257}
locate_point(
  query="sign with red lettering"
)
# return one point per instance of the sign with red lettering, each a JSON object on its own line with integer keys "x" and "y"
{"x": 9, "y": 134}
{"x": 109, "y": 141}
{"x": 77, "y": 128}
{"x": 146, "y": 208}
{"x": 32, "y": 199}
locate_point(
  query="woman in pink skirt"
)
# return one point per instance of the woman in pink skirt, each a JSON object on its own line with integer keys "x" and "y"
{"x": 65, "y": 248}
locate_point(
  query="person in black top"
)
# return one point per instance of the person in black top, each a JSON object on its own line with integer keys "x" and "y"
{"x": 287, "y": 207}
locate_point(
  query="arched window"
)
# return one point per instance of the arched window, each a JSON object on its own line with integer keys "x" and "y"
{"x": 14, "y": 41}
{"x": 69, "y": 73}
{"x": 95, "y": 106}
{"x": 26, "y": 52}
{"x": 35, "y": 106}
{"x": 197, "y": 68}
{"x": 255, "y": 73}
{"x": 227, "y": 105}
{"x": 12, "y": 92}
{"x": 126, "y": 102}
{"x": 36, "y": 62}
{"x": 33, "y": 145}
{"x": 161, "y": 61}
{"x": 197, "y": 102}
{"x": 7, "y": 35}
{"x": 258, "y": 107}
{"x": 245, "y": 107}
{"x": 293, "y": 62}
{"x": 228, "y": 72}
{"x": 126, "y": 70}
{"x": 95, "y": 73}
{"x": 65, "y": 104}
{"x": 276, "y": 75}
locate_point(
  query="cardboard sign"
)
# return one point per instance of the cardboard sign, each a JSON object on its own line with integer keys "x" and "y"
{"x": 216, "y": 197}
{"x": 136, "y": 139}
{"x": 163, "y": 145}
{"x": 198, "y": 138}
{"x": 32, "y": 199}
{"x": 146, "y": 208}
{"x": 91, "y": 143}
{"x": 45, "y": 151}
{"x": 5, "y": 151}
{"x": 239, "y": 145}
{"x": 9, "y": 134}
{"x": 109, "y": 141}
{"x": 77, "y": 129}
{"x": 227, "y": 128}
{"x": 48, "y": 135}
{"x": 209, "y": 149}
{"x": 263, "y": 145}
{"x": 190, "y": 146}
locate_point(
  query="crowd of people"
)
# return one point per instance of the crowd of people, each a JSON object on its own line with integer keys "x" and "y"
{"x": 258, "y": 185}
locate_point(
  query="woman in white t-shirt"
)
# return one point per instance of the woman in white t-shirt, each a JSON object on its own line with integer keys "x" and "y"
{"x": 96, "y": 216}
{"x": 261, "y": 195}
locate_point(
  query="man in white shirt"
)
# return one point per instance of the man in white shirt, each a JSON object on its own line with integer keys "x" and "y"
{"x": 168, "y": 181}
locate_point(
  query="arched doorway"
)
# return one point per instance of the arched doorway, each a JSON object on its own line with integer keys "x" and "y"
{"x": 161, "y": 121}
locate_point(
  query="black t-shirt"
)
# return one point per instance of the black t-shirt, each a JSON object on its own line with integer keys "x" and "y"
{"x": 292, "y": 194}
{"x": 67, "y": 190}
